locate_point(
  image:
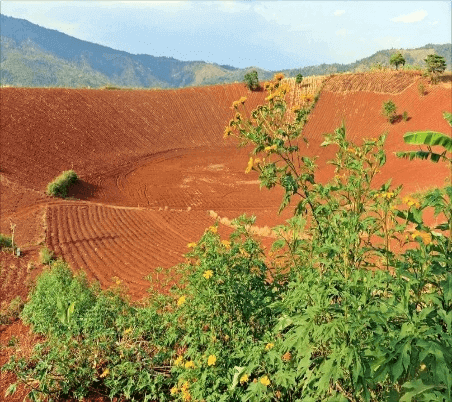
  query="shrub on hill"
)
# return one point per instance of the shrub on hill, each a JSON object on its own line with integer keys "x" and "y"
{"x": 59, "y": 186}
{"x": 389, "y": 110}
{"x": 251, "y": 80}
{"x": 352, "y": 303}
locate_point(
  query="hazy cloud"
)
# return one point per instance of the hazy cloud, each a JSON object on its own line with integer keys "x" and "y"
{"x": 341, "y": 32}
{"x": 413, "y": 17}
{"x": 339, "y": 12}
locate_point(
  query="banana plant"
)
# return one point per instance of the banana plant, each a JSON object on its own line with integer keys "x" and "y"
{"x": 429, "y": 138}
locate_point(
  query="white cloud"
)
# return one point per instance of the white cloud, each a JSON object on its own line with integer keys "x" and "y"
{"x": 231, "y": 6}
{"x": 415, "y": 16}
{"x": 341, "y": 32}
{"x": 339, "y": 12}
{"x": 433, "y": 23}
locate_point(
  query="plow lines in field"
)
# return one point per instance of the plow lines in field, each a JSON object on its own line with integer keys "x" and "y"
{"x": 152, "y": 164}
{"x": 111, "y": 243}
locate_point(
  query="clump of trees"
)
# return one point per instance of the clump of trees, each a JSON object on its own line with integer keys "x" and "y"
{"x": 436, "y": 65}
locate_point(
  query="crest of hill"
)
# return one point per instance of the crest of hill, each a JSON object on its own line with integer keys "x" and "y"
{"x": 33, "y": 56}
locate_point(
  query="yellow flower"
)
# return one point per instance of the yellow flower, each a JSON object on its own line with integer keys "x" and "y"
{"x": 174, "y": 391}
{"x": 181, "y": 301}
{"x": 426, "y": 237}
{"x": 179, "y": 361}
{"x": 244, "y": 378}
{"x": 105, "y": 373}
{"x": 208, "y": 274}
{"x": 278, "y": 76}
{"x": 235, "y": 104}
{"x": 411, "y": 201}
{"x": 211, "y": 360}
{"x": 265, "y": 381}
{"x": 213, "y": 229}
{"x": 269, "y": 346}
{"x": 270, "y": 148}
{"x": 238, "y": 117}
{"x": 185, "y": 386}
{"x": 189, "y": 364}
{"x": 227, "y": 132}
{"x": 250, "y": 165}
{"x": 127, "y": 331}
{"x": 191, "y": 245}
{"x": 242, "y": 100}
{"x": 226, "y": 243}
{"x": 267, "y": 85}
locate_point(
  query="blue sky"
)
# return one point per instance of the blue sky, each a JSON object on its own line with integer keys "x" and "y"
{"x": 269, "y": 34}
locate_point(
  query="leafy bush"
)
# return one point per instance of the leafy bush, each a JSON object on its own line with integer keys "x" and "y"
{"x": 5, "y": 241}
{"x": 353, "y": 301}
{"x": 46, "y": 256}
{"x": 251, "y": 80}
{"x": 59, "y": 186}
{"x": 390, "y": 111}
{"x": 298, "y": 79}
{"x": 405, "y": 116}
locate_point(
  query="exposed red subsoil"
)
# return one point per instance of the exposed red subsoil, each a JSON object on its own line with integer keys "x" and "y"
{"x": 153, "y": 166}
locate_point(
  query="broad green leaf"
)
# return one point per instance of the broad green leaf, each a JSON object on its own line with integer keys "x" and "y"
{"x": 430, "y": 138}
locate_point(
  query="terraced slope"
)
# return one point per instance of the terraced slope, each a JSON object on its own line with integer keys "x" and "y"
{"x": 155, "y": 171}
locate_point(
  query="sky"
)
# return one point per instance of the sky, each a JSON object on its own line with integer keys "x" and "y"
{"x": 271, "y": 34}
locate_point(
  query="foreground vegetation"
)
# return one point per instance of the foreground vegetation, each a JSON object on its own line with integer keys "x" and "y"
{"x": 353, "y": 302}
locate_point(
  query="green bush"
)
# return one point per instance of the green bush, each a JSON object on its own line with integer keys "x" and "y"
{"x": 298, "y": 79}
{"x": 390, "y": 111}
{"x": 251, "y": 80}
{"x": 59, "y": 186}
{"x": 5, "y": 241}
{"x": 405, "y": 116}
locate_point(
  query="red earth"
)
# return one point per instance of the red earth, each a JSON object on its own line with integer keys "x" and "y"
{"x": 155, "y": 171}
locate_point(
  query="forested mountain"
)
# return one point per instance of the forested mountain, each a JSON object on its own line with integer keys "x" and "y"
{"x": 35, "y": 56}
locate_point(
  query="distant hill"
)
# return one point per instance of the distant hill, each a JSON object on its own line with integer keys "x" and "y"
{"x": 34, "y": 56}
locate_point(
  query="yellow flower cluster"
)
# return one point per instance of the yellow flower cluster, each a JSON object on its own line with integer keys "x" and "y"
{"x": 211, "y": 360}
{"x": 189, "y": 364}
{"x": 251, "y": 163}
{"x": 278, "y": 76}
{"x": 226, "y": 243}
{"x": 191, "y": 245}
{"x": 307, "y": 98}
{"x": 269, "y": 346}
{"x": 213, "y": 229}
{"x": 426, "y": 237}
{"x": 208, "y": 274}
{"x": 105, "y": 373}
{"x": 268, "y": 86}
{"x": 181, "y": 301}
{"x": 410, "y": 201}
{"x": 235, "y": 104}
{"x": 265, "y": 381}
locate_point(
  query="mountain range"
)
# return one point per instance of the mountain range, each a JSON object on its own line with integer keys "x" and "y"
{"x": 34, "y": 56}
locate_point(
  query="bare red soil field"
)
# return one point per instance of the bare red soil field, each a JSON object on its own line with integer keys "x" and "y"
{"x": 155, "y": 171}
